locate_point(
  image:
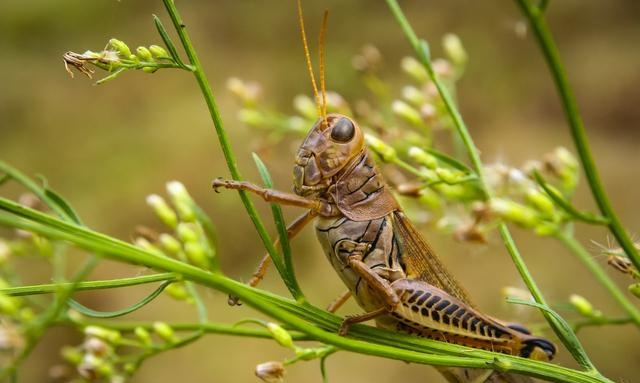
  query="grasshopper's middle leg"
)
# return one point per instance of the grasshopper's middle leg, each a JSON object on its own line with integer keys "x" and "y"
{"x": 377, "y": 283}
{"x": 292, "y": 230}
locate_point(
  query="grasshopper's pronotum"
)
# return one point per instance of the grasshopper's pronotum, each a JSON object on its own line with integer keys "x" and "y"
{"x": 386, "y": 264}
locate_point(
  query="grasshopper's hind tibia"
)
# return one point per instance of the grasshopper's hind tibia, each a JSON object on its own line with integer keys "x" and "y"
{"x": 339, "y": 301}
{"x": 427, "y": 311}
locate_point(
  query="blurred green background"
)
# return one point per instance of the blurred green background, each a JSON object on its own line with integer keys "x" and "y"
{"x": 106, "y": 147}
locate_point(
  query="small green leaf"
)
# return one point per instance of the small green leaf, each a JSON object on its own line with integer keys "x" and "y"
{"x": 63, "y": 205}
{"x": 112, "y": 314}
{"x": 167, "y": 41}
{"x": 279, "y": 221}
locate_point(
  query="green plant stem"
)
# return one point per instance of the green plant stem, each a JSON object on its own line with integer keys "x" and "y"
{"x": 288, "y": 311}
{"x": 567, "y": 337}
{"x": 207, "y": 327}
{"x": 546, "y": 42}
{"x": 600, "y": 322}
{"x": 207, "y": 93}
{"x": 583, "y": 255}
{"x": 88, "y": 285}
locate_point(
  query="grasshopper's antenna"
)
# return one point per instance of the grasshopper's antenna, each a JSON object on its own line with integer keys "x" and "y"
{"x": 323, "y": 31}
{"x": 308, "y": 58}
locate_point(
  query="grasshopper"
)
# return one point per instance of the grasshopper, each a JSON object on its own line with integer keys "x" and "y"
{"x": 386, "y": 264}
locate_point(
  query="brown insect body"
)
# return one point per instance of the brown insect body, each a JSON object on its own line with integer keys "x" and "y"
{"x": 366, "y": 225}
{"x": 385, "y": 262}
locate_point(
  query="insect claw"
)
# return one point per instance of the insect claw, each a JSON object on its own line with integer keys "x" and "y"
{"x": 233, "y": 300}
{"x": 216, "y": 183}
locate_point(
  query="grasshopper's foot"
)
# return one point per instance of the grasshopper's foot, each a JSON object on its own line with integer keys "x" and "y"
{"x": 233, "y": 300}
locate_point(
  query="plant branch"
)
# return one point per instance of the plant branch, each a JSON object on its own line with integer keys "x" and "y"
{"x": 546, "y": 42}
{"x": 223, "y": 138}
{"x": 567, "y": 337}
{"x": 88, "y": 285}
{"x": 373, "y": 341}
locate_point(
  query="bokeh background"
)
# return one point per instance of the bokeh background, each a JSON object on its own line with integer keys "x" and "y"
{"x": 106, "y": 147}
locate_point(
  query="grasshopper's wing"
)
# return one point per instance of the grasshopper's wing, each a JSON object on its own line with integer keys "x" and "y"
{"x": 420, "y": 262}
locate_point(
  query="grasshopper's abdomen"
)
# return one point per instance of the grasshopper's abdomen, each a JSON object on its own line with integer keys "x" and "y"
{"x": 427, "y": 311}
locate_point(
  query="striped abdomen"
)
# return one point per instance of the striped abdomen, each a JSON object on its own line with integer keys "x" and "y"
{"x": 427, "y": 311}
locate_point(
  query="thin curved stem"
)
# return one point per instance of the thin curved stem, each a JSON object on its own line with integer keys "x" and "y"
{"x": 546, "y": 42}
{"x": 50, "y": 288}
{"x": 223, "y": 138}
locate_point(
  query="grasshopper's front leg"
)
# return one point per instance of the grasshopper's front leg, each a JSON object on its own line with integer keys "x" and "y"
{"x": 315, "y": 205}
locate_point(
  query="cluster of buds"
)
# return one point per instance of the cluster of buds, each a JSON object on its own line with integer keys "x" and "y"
{"x": 95, "y": 360}
{"x": 521, "y": 200}
{"x": 98, "y": 358}
{"x": 189, "y": 240}
{"x": 117, "y": 57}
{"x": 253, "y": 114}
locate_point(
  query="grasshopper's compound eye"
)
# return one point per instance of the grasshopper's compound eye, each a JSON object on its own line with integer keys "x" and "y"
{"x": 343, "y": 130}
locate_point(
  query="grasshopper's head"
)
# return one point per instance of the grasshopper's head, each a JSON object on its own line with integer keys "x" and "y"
{"x": 329, "y": 147}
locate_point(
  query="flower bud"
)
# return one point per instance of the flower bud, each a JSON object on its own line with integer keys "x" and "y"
{"x": 385, "y": 151}
{"x": 144, "y": 54}
{"x": 121, "y": 47}
{"x": 178, "y": 292}
{"x": 71, "y": 355}
{"x": 143, "y": 335}
{"x": 162, "y": 210}
{"x": 165, "y": 332}
{"x": 8, "y": 305}
{"x": 281, "y": 335}
{"x": 26, "y": 314}
{"x": 251, "y": 117}
{"x": 143, "y": 243}
{"x": 170, "y": 244}
{"x": 305, "y": 106}
{"x": 181, "y": 200}
{"x": 111, "y": 336}
{"x": 407, "y": 113}
{"x": 442, "y": 68}
{"x": 414, "y": 69}
{"x": 583, "y": 306}
{"x": 413, "y": 96}
{"x": 423, "y": 157}
{"x": 186, "y": 233}
{"x": 544, "y": 229}
{"x": 454, "y": 50}
{"x": 514, "y": 211}
{"x": 540, "y": 201}
{"x": 247, "y": 92}
{"x": 449, "y": 176}
{"x": 196, "y": 254}
{"x": 158, "y": 52}
{"x": 271, "y": 372}
{"x": 149, "y": 69}
{"x": 96, "y": 346}
{"x": 635, "y": 289}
